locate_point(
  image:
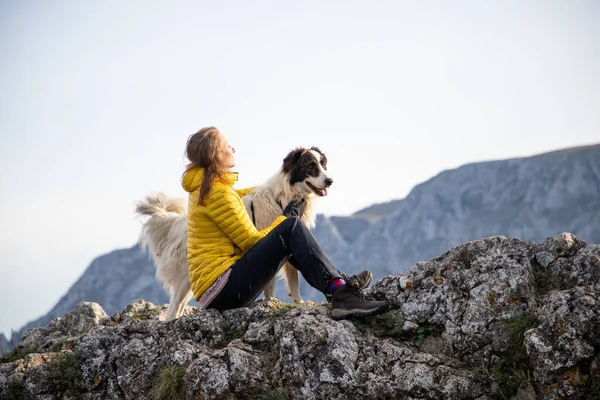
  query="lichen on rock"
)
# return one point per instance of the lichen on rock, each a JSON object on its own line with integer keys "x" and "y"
{"x": 491, "y": 318}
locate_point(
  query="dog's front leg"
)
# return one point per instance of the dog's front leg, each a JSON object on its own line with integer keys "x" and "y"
{"x": 179, "y": 298}
{"x": 269, "y": 289}
{"x": 293, "y": 284}
{"x": 184, "y": 303}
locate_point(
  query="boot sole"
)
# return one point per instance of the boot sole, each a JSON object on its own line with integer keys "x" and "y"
{"x": 341, "y": 314}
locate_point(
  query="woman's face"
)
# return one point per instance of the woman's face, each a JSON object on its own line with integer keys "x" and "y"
{"x": 226, "y": 151}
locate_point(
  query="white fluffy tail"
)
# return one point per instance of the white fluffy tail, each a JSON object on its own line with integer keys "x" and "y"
{"x": 164, "y": 236}
{"x": 160, "y": 203}
{"x": 164, "y": 212}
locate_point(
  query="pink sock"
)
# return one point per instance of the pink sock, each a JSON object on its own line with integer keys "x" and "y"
{"x": 335, "y": 284}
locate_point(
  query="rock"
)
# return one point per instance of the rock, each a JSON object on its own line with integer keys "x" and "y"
{"x": 61, "y": 332}
{"x": 563, "y": 349}
{"x": 492, "y": 318}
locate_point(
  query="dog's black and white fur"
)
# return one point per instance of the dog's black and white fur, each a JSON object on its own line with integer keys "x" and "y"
{"x": 302, "y": 176}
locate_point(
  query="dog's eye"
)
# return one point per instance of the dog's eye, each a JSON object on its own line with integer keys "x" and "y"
{"x": 310, "y": 164}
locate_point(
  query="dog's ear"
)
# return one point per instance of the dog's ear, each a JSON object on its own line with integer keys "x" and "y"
{"x": 292, "y": 159}
{"x": 323, "y": 160}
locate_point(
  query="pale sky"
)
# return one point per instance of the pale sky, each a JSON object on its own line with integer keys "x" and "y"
{"x": 97, "y": 100}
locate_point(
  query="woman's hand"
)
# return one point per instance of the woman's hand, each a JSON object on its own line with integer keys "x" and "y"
{"x": 295, "y": 209}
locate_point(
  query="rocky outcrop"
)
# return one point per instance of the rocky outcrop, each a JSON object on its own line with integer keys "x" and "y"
{"x": 528, "y": 198}
{"x": 492, "y": 318}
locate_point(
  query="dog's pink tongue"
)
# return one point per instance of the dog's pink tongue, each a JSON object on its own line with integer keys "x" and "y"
{"x": 324, "y": 192}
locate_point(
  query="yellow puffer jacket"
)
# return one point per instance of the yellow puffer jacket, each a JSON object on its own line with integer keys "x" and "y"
{"x": 219, "y": 232}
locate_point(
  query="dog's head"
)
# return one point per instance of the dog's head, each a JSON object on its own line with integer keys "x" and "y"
{"x": 305, "y": 169}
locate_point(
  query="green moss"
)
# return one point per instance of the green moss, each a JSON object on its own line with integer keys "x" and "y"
{"x": 426, "y": 330}
{"x": 18, "y": 353}
{"x": 147, "y": 313}
{"x": 64, "y": 376}
{"x": 170, "y": 384}
{"x": 386, "y": 325}
{"x": 16, "y": 390}
{"x": 231, "y": 334}
{"x": 277, "y": 311}
{"x": 466, "y": 257}
{"x": 321, "y": 341}
{"x": 389, "y": 325}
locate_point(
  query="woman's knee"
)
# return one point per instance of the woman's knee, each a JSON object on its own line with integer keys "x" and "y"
{"x": 293, "y": 224}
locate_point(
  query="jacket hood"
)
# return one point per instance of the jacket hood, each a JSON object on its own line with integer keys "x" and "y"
{"x": 193, "y": 179}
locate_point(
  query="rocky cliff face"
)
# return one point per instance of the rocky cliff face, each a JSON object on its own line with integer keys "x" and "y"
{"x": 527, "y": 198}
{"x": 491, "y": 318}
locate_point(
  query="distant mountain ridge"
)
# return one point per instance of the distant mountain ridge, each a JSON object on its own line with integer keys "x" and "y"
{"x": 4, "y": 344}
{"x": 112, "y": 279}
{"x": 528, "y": 198}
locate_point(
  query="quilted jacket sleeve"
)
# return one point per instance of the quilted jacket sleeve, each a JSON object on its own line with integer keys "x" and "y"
{"x": 229, "y": 213}
{"x": 243, "y": 192}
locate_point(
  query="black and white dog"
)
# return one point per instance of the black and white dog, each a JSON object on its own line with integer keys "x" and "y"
{"x": 302, "y": 176}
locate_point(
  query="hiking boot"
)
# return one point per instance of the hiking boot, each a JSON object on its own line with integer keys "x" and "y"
{"x": 348, "y": 301}
{"x": 362, "y": 280}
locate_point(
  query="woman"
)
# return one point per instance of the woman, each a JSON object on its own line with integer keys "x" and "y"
{"x": 230, "y": 260}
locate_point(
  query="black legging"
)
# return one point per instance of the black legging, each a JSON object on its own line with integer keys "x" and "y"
{"x": 290, "y": 241}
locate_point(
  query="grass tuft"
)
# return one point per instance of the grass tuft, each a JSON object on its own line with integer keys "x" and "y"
{"x": 509, "y": 380}
{"x": 64, "y": 376}
{"x": 170, "y": 384}
{"x": 543, "y": 280}
{"x": 515, "y": 330}
{"x": 17, "y": 354}
{"x": 62, "y": 344}
{"x": 513, "y": 372}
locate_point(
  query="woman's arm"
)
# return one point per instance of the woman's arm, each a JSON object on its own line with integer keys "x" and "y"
{"x": 230, "y": 215}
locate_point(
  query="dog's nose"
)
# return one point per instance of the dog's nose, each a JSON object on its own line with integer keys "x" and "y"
{"x": 328, "y": 182}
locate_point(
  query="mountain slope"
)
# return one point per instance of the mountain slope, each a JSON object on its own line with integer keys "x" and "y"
{"x": 111, "y": 280}
{"x": 527, "y": 198}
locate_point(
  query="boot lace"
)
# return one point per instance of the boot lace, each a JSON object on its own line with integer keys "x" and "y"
{"x": 356, "y": 292}
{"x": 351, "y": 281}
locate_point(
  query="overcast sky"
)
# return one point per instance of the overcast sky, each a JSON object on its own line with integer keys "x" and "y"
{"x": 98, "y": 98}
